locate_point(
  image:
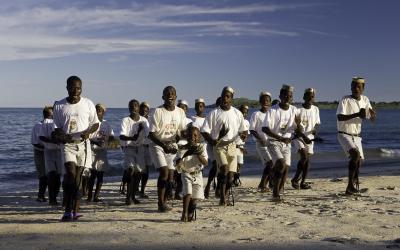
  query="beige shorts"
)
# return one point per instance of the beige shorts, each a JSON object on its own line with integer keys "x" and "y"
{"x": 348, "y": 142}
{"x": 100, "y": 159}
{"x": 227, "y": 156}
{"x": 79, "y": 153}
{"x": 53, "y": 161}
{"x": 263, "y": 153}
{"x": 38, "y": 156}
{"x": 280, "y": 150}
{"x": 161, "y": 159}
{"x": 134, "y": 158}
{"x": 300, "y": 144}
{"x": 193, "y": 185}
{"x": 239, "y": 156}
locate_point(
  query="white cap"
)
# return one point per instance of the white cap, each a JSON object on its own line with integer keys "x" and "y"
{"x": 265, "y": 93}
{"x": 311, "y": 90}
{"x": 145, "y": 104}
{"x": 358, "y": 79}
{"x": 287, "y": 87}
{"x": 100, "y": 105}
{"x": 183, "y": 102}
{"x": 199, "y": 100}
{"x": 229, "y": 89}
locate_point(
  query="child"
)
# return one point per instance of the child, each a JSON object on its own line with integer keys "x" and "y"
{"x": 256, "y": 124}
{"x": 190, "y": 163}
{"x": 352, "y": 110}
{"x": 166, "y": 125}
{"x": 99, "y": 142}
{"x": 308, "y": 116}
{"x": 134, "y": 130}
{"x": 144, "y": 111}
{"x": 279, "y": 125}
{"x": 52, "y": 157}
{"x": 240, "y": 150}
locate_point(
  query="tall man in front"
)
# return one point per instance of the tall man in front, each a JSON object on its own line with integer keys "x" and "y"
{"x": 352, "y": 110}
{"x": 279, "y": 125}
{"x": 75, "y": 118}
{"x": 222, "y": 127}
{"x": 166, "y": 125}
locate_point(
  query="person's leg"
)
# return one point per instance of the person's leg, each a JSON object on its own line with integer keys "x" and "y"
{"x": 185, "y": 209}
{"x": 170, "y": 185}
{"x": 303, "y": 184}
{"x": 162, "y": 183}
{"x": 178, "y": 181}
{"x": 265, "y": 176}
{"x": 354, "y": 163}
{"x": 223, "y": 179}
{"x": 136, "y": 179}
{"x": 129, "y": 185}
{"x": 99, "y": 184}
{"x": 77, "y": 195}
{"x": 124, "y": 180}
{"x": 300, "y": 168}
{"x": 192, "y": 209}
{"x": 279, "y": 169}
{"x": 53, "y": 179}
{"x": 236, "y": 176}
{"x": 69, "y": 187}
{"x": 144, "y": 179}
{"x": 92, "y": 180}
{"x": 211, "y": 176}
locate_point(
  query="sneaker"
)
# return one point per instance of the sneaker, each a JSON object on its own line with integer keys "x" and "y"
{"x": 76, "y": 216}
{"x": 66, "y": 217}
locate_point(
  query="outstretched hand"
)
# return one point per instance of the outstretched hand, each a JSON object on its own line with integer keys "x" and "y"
{"x": 224, "y": 131}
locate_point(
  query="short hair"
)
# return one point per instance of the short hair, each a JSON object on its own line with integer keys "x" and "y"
{"x": 102, "y": 106}
{"x": 72, "y": 79}
{"x": 132, "y": 101}
{"x": 47, "y": 110}
{"x": 243, "y": 107}
{"x": 168, "y": 88}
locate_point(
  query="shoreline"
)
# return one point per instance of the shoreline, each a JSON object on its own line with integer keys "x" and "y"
{"x": 316, "y": 218}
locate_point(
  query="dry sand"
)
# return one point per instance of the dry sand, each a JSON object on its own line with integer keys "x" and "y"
{"x": 318, "y": 218}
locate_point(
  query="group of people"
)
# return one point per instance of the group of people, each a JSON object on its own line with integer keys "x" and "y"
{"x": 73, "y": 138}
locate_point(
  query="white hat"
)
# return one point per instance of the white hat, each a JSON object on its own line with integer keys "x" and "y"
{"x": 199, "y": 100}
{"x": 145, "y": 104}
{"x": 229, "y": 89}
{"x": 100, "y": 105}
{"x": 265, "y": 93}
{"x": 311, "y": 90}
{"x": 183, "y": 102}
{"x": 287, "y": 87}
{"x": 358, "y": 79}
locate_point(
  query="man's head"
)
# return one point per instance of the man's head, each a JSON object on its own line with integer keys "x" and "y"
{"x": 309, "y": 95}
{"x": 48, "y": 112}
{"x": 244, "y": 109}
{"x": 199, "y": 106}
{"x": 100, "y": 110}
{"x": 169, "y": 96}
{"x": 193, "y": 135}
{"x": 183, "y": 105}
{"x": 227, "y": 97}
{"x": 265, "y": 100}
{"x": 144, "y": 109}
{"x": 357, "y": 86}
{"x": 74, "y": 87}
{"x": 286, "y": 94}
{"x": 133, "y": 107}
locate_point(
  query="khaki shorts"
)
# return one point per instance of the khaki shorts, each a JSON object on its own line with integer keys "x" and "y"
{"x": 161, "y": 159}
{"x": 263, "y": 153}
{"x": 239, "y": 156}
{"x": 280, "y": 150}
{"x": 349, "y": 142}
{"x": 100, "y": 159}
{"x": 193, "y": 185}
{"x": 38, "y": 156}
{"x": 79, "y": 153}
{"x": 300, "y": 144}
{"x": 134, "y": 158}
{"x": 227, "y": 156}
{"x": 53, "y": 161}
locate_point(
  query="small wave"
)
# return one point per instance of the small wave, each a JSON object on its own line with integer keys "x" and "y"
{"x": 390, "y": 151}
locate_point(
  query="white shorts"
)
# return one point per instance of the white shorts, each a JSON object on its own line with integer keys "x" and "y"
{"x": 227, "y": 156}
{"x": 280, "y": 150}
{"x": 53, "y": 161}
{"x": 263, "y": 153}
{"x": 193, "y": 185}
{"x": 161, "y": 159}
{"x": 348, "y": 142}
{"x": 79, "y": 153}
{"x": 100, "y": 159}
{"x": 134, "y": 158}
{"x": 239, "y": 156}
{"x": 300, "y": 144}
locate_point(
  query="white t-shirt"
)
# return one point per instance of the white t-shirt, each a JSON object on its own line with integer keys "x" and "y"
{"x": 239, "y": 141}
{"x": 47, "y": 128}
{"x": 198, "y": 121}
{"x": 309, "y": 118}
{"x": 36, "y": 133}
{"x": 347, "y": 106}
{"x": 182, "y": 140}
{"x": 232, "y": 118}
{"x": 257, "y": 122}
{"x": 75, "y": 118}
{"x": 167, "y": 124}
{"x": 192, "y": 163}
{"x": 129, "y": 127}
{"x": 102, "y": 134}
{"x": 280, "y": 121}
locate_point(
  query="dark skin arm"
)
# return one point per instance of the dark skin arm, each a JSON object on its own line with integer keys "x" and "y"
{"x": 166, "y": 149}
{"x": 267, "y": 131}
{"x": 134, "y": 137}
{"x": 85, "y": 134}
{"x": 48, "y": 140}
{"x": 362, "y": 114}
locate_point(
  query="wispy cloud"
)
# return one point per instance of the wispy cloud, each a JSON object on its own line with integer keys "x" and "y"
{"x": 46, "y": 32}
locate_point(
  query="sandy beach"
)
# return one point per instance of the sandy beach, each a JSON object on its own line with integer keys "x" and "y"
{"x": 316, "y": 218}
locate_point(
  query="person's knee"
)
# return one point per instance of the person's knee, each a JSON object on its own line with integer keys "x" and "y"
{"x": 303, "y": 155}
{"x": 354, "y": 155}
{"x": 222, "y": 178}
{"x": 100, "y": 175}
{"x": 231, "y": 177}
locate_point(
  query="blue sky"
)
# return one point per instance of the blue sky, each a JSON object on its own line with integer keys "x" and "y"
{"x": 132, "y": 49}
